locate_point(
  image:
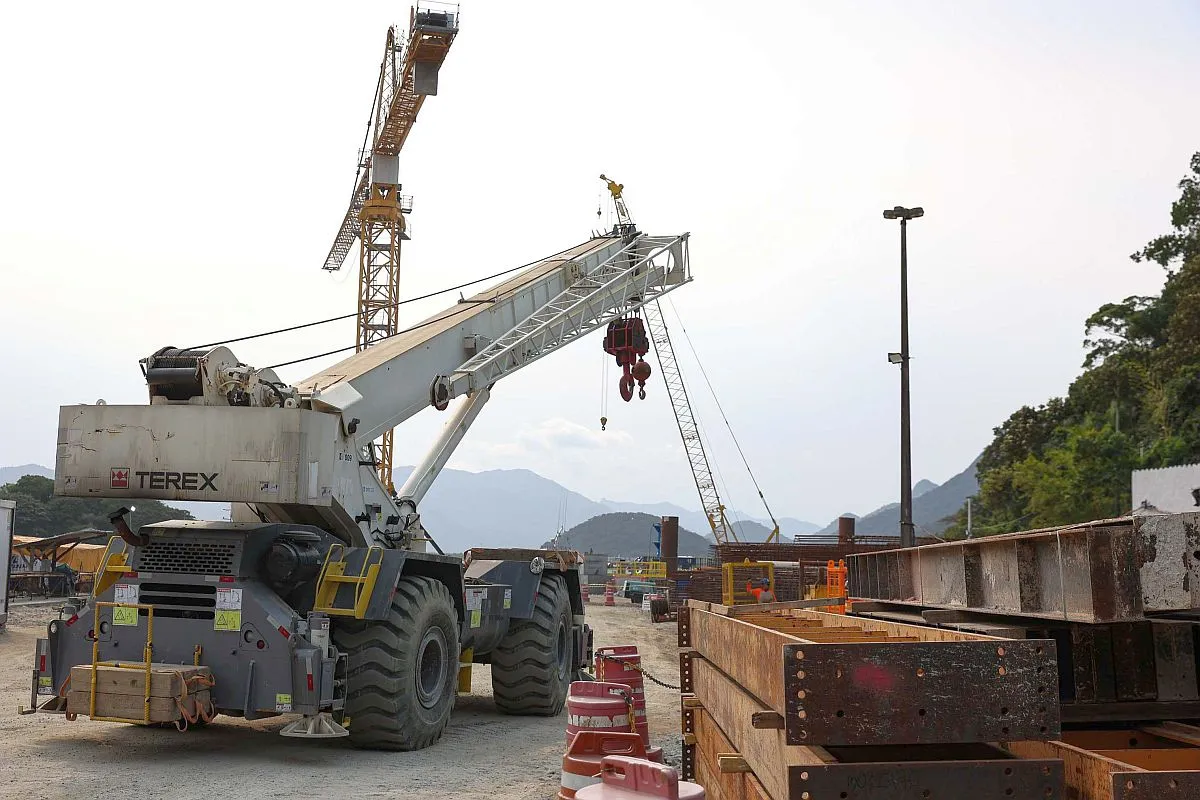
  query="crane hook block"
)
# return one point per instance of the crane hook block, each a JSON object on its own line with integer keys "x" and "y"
{"x": 604, "y": 423}
{"x": 627, "y": 342}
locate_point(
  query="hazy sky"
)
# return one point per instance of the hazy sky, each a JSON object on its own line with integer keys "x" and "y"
{"x": 174, "y": 174}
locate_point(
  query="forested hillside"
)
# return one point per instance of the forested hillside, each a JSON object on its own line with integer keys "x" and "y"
{"x": 40, "y": 513}
{"x": 1136, "y": 404}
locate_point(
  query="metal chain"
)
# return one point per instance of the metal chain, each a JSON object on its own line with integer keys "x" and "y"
{"x": 639, "y": 668}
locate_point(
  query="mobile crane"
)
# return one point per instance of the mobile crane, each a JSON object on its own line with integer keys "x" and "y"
{"x": 320, "y": 598}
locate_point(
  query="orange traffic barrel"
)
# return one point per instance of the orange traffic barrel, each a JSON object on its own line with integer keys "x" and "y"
{"x": 610, "y": 594}
{"x": 581, "y": 763}
{"x": 622, "y": 664}
{"x": 625, "y": 778}
{"x": 599, "y": 706}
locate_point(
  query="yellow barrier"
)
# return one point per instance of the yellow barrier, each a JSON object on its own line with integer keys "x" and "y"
{"x": 638, "y": 569}
{"x": 735, "y": 576}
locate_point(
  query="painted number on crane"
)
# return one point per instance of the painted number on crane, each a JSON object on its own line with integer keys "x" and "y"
{"x": 227, "y": 621}
{"x": 125, "y": 615}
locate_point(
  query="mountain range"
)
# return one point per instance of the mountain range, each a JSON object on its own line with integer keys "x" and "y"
{"x": 542, "y": 507}
{"x": 628, "y": 534}
{"x": 932, "y": 505}
{"x": 493, "y": 519}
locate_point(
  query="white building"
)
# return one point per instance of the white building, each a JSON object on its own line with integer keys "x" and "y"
{"x": 1170, "y": 490}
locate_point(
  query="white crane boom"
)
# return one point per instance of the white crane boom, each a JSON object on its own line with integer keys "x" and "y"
{"x": 218, "y": 430}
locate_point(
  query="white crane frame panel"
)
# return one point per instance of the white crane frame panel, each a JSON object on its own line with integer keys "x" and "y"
{"x": 199, "y": 453}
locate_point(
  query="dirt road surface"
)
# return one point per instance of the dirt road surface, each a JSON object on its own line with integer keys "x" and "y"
{"x": 484, "y": 754}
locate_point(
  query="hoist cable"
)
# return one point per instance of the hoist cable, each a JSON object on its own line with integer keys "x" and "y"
{"x": 417, "y": 327}
{"x": 722, "y": 412}
{"x": 354, "y": 314}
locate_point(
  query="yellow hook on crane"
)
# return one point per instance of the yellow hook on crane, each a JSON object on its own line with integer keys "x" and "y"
{"x": 614, "y": 188}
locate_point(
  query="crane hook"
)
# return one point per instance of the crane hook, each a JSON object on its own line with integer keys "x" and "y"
{"x": 603, "y": 423}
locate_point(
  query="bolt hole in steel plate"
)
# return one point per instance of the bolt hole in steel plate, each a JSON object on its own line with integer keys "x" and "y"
{"x": 992, "y": 779}
{"x": 1182, "y": 785}
{"x": 884, "y": 686}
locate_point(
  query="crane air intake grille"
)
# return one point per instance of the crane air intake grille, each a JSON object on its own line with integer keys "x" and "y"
{"x": 190, "y": 557}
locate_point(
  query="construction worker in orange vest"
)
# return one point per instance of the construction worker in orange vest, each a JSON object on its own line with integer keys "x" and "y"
{"x": 762, "y": 592}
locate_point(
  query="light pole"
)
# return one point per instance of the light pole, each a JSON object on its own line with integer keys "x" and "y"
{"x": 907, "y": 534}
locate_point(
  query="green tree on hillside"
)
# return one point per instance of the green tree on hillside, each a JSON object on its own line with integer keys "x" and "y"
{"x": 1136, "y": 404}
{"x": 40, "y": 513}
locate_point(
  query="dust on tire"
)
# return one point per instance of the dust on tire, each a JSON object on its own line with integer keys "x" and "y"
{"x": 401, "y": 671}
{"x": 531, "y": 667}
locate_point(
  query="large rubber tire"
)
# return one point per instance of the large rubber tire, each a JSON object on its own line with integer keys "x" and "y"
{"x": 402, "y": 672}
{"x": 531, "y": 667}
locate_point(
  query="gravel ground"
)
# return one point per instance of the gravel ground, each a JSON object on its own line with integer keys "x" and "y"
{"x": 484, "y": 754}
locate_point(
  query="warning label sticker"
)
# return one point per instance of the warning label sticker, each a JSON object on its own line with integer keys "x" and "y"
{"x": 283, "y": 703}
{"x": 508, "y": 598}
{"x": 124, "y": 615}
{"x": 475, "y": 599}
{"x": 45, "y": 685}
{"x": 125, "y": 593}
{"x": 229, "y": 599}
{"x": 476, "y": 617}
{"x": 227, "y": 621}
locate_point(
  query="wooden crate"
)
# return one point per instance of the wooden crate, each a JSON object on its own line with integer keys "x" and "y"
{"x": 120, "y": 692}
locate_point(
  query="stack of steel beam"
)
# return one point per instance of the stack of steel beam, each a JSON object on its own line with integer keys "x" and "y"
{"x": 787, "y": 703}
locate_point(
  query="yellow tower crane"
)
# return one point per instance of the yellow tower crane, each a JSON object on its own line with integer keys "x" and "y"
{"x": 377, "y": 214}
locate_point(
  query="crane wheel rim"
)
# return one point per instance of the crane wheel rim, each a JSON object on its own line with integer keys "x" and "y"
{"x": 431, "y": 667}
{"x": 562, "y": 649}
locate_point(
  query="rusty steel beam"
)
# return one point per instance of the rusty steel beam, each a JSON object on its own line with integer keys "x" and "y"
{"x": 840, "y": 680}
{"x": 1104, "y": 774}
{"x": 1106, "y": 571}
{"x": 994, "y": 778}
{"x": 920, "y": 692}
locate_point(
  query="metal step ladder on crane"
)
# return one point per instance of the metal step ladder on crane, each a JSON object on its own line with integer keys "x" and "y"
{"x": 633, "y": 330}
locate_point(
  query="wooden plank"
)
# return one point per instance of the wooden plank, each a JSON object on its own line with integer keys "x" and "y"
{"x": 817, "y": 602}
{"x": 1156, "y": 759}
{"x": 1087, "y": 776}
{"x": 924, "y": 633}
{"x": 752, "y": 788}
{"x": 127, "y": 706}
{"x": 1119, "y": 739}
{"x": 710, "y": 743}
{"x": 165, "y": 679}
{"x": 711, "y": 779}
{"x": 749, "y": 654}
{"x": 767, "y": 720}
{"x": 1175, "y": 731}
{"x": 732, "y": 762}
{"x": 766, "y": 751}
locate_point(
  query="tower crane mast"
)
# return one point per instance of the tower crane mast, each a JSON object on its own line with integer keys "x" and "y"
{"x": 377, "y": 213}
